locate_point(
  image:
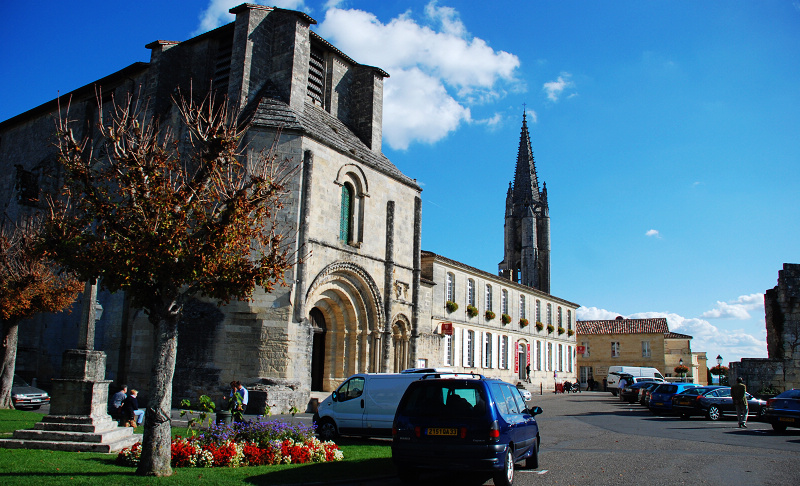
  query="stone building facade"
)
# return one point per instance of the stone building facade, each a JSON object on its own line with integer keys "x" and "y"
{"x": 355, "y": 216}
{"x": 361, "y": 300}
{"x": 498, "y": 328}
{"x": 781, "y": 370}
{"x": 634, "y": 342}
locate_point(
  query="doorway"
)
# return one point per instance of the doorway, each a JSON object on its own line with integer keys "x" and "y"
{"x": 319, "y": 331}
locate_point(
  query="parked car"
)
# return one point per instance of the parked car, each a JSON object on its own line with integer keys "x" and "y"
{"x": 631, "y": 391}
{"x": 784, "y": 410}
{"x": 25, "y": 396}
{"x": 661, "y": 396}
{"x": 646, "y": 390}
{"x": 714, "y": 402}
{"x": 617, "y": 372}
{"x": 464, "y": 424}
{"x": 526, "y": 395}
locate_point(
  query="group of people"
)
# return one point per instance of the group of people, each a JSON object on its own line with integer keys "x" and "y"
{"x": 125, "y": 408}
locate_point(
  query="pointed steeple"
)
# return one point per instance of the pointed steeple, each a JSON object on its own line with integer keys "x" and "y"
{"x": 526, "y": 182}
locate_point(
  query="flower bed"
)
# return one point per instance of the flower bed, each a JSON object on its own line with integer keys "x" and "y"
{"x": 245, "y": 444}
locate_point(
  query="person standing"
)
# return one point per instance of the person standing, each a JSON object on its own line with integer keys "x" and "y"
{"x": 528, "y": 373}
{"x": 239, "y": 397}
{"x": 739, "y": 395}
{"x": 621, "y": 385}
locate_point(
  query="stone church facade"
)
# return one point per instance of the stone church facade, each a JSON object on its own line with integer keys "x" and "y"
{"x": 360, "y": 301}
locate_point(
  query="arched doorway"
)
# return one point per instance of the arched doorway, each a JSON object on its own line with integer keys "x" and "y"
{"x": 318, "y": 329}
{"x": 345, "y": 298}
{"x": 400, "y": 338}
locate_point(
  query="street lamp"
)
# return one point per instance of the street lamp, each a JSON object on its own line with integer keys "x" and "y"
{"x": 719, "y": 370}
{"x": 680, "y": 363}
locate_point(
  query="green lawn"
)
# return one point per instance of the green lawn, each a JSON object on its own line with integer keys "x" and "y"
{"x": 362, "y": 458}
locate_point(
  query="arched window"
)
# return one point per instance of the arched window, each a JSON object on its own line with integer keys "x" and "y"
{"x": 538, "y": 310}
{"x": 346, "y": 220}
{"x": 559, "y": 316}
{"x": 488, "y": 297}
{"x": 522, "y": 306}
{"x": 471, "y": 292}
{"x": 487, "y": 350}
{"x": 569, "y": 319}
{"x": 470, "y": 344}
{"x": 504, "y": 301}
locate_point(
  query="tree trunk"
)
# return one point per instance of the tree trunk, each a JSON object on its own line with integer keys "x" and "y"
{"x": 157, "y": 444}
{"x": 9, "y": 356}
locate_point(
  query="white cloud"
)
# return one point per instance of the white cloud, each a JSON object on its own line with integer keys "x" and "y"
{"x": 653, "y": 232}
{"x": 217, "y": 14}
{"x": 736, "y": 309}
{"x": 595, "y": 314}
{"x": 437, "y": 70}
{"x": 555, "y": 89}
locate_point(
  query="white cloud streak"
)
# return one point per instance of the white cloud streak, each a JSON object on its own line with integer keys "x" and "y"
{"x": 653, "y": 232}
{"x": 554, "y": 89}
{"x": 736, "y": 309}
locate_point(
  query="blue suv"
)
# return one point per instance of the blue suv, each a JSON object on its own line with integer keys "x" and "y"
{"x": 464, "y": 423}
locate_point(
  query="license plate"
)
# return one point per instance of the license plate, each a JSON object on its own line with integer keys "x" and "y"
{"x": 35, "y": 400}
{"x": 786, "y": 419}
{"x": 442, "y": 431}
{"x": 660, "y": 404}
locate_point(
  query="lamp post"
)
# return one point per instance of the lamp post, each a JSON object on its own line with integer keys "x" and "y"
{"x": 719, "y": 370}
{"x": 680, "y": 363}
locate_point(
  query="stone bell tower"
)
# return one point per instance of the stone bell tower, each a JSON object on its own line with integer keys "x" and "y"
{"x": 527, "y": 228}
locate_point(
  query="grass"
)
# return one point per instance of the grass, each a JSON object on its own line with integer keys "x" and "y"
{"x": 362, "y": 459}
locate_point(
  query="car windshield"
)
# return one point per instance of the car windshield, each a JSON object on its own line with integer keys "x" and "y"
{"x": 692, "y": 391}
{"x": 19, "y": 381}
{"x": 444, "y": 399}
{"x": 666, "y": 389}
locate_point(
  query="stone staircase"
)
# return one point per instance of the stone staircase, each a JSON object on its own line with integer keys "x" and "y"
{"x": 74, "y": 434}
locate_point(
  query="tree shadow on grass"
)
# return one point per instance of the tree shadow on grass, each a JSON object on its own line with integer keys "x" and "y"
{"x": 328, "y": 471}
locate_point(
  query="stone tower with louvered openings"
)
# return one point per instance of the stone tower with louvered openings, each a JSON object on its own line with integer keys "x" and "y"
{"x": 527, "y": 228}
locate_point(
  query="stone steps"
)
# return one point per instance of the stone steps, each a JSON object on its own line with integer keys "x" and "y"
{"x": 74, "y": 434}
{"x": 68, "y": 446}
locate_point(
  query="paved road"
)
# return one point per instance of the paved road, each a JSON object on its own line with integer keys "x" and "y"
{"x": 593, "y": 439}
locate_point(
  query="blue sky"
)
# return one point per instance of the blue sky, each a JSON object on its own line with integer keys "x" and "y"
{"x": 666, "y": 131}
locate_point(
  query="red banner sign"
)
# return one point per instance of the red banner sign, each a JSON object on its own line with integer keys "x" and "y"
{"x": 447, "y": 328}
{"x": 581, "y": 349}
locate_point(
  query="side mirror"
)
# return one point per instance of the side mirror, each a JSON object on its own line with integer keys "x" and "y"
{"x": 335, "y": 397}
{"x": 536, "y": 410}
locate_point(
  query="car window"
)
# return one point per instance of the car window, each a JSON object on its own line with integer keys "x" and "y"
{"x": 518, "y": 398}
{"x": 691, "y": 391}
{"x": 352, "y": 388}
{"x": 667, "y": 389}
{"x": 724, "y": 392}
{"x": 500, "y": 399}
{"x": 19, "y": 381}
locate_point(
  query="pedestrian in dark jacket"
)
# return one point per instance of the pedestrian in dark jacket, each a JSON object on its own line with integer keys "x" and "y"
{"x": 129, "y": 408}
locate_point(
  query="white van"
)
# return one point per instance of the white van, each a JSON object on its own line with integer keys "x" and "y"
{"x": 614, "y": 373}
{"x": 363, "y": 405}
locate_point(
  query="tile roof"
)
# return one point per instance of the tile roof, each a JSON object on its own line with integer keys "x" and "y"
{"x": 325, "y": 128}
{"x": 623, "y": 326}
{"x": 677, "y": 335}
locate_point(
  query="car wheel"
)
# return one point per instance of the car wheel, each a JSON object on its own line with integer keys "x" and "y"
{"x": 408, "y": 474}
{"x": 779, "y": 427}
{"x": 326, "y": 429}
{"x": 505, "y": 477}
{"x": 713, "y": 413}
{"x": 533, "y": 461}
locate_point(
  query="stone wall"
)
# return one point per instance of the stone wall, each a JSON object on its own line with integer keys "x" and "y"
{"x": 782, "y": 316}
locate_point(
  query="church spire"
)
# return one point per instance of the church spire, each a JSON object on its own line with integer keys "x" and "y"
{"x": 526, "y": 182}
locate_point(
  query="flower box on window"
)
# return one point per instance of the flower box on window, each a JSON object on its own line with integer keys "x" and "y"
{"x": 505, "y": 318}
{"x": 472, "y": 311}
{"x": 451, "y": 306}
{"x": 489, "y": 315}
{"x": 561, "y": 330}
{"x": 570, "y": 333}
{"x": 550, "y": 329}
{"x": 523, "y": 322}
{"x": 539, "y": 326}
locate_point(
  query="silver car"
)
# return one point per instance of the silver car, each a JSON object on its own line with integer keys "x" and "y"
{"x": 24, "y": 396}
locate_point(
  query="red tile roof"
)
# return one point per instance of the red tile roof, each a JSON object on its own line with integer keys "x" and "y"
{"x": 677, "y": 335}
{"x": 623, "y": 326}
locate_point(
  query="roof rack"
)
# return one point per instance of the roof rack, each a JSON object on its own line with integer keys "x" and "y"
{"x": 453, "y": 374}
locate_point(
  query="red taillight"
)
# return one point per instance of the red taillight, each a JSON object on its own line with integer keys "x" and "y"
{"x": 463, "y": 432}
{"x": 770, "y": 402}
{"x": 494, "y": 431}
{"x": 394, "y": 431}
{"x": 417, "y": 431}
